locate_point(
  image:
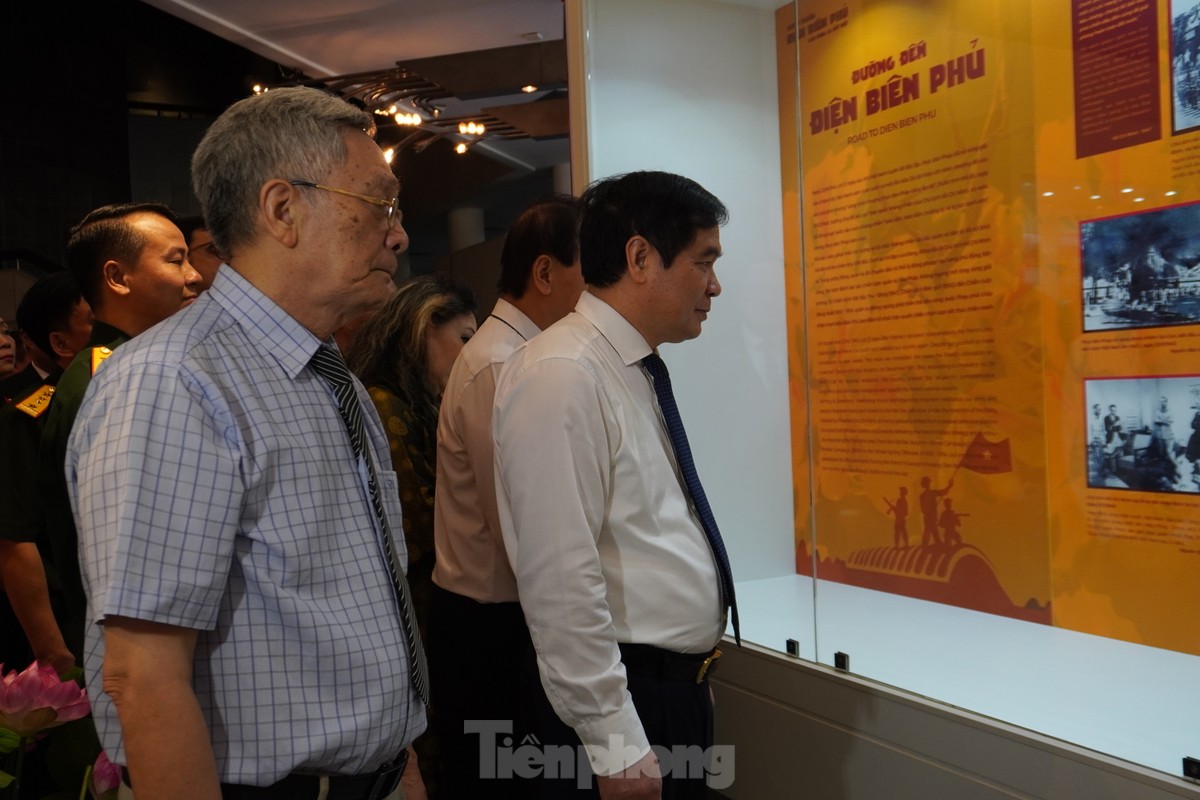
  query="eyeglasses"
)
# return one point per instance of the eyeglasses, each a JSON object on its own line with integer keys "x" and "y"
{"x": 394, "y": 214}
{"x": 207, "y": 247}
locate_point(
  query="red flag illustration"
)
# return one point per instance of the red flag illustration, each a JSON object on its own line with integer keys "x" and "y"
{"x": 987, "y": 457}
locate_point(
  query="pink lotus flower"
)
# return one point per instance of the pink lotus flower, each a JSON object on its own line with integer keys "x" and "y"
{"x": 106, "y": 778}
{"x": 36, "y": 699}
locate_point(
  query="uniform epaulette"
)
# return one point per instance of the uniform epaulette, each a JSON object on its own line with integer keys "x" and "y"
{"x": 98, "y": 356}
{"x": 36, "y": 404}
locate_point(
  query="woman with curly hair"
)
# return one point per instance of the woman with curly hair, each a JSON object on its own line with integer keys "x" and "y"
{"x": 403, "y": 356}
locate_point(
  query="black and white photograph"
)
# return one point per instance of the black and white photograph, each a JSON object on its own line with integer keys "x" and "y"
{"x": 1185, "y": 65}
{"x": 1141, "y": 270}
{"x": 1144, "y": 433}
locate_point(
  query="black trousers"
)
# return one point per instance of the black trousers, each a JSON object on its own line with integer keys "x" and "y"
{"x": 677, "y": 716}
{"x": 475, "y": 653}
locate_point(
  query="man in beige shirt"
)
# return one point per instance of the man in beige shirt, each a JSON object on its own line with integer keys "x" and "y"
{"x": 474, "y": 611}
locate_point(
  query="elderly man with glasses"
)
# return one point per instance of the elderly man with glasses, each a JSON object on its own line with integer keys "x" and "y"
{"x": 252, "y": 622}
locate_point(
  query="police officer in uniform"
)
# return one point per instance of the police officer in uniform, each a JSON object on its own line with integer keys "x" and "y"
{"x": 55, "y": 323}
{"x": 130, "y": 261}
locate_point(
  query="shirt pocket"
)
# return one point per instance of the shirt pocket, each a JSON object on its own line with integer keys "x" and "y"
{"x": 389, "y": 494}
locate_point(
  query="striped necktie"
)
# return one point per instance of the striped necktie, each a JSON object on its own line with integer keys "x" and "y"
{"x": 683, "y": 455}
{"x": 328, "y": 363}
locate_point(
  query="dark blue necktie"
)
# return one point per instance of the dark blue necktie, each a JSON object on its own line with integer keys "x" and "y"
{"x": 683, "y": 454}
{"x": 328, "y": 363}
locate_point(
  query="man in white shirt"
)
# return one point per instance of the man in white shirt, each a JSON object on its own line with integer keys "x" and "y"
{"x": 621, "y": 588}
{"x": 473, "y": 607}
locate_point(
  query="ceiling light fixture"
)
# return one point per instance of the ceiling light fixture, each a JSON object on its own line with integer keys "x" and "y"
{"x": 461, "y": 148}
{"x": 420, "y": 146}
{"x": 412, "y": 110}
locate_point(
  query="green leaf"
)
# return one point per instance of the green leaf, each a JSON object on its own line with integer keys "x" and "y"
{"x": 6, "y": 779}
{"x": 73, "y": 674}
{"x": 9, "y": 740}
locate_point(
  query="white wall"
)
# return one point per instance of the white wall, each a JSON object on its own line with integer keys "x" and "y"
{"x": 688, "y": 86}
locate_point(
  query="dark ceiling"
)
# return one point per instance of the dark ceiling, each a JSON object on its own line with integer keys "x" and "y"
{"x": 198, "y": 74}
{"x": 118, "y": 93}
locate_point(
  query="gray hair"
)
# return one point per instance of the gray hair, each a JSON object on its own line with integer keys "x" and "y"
{"x": 292, "y": 133}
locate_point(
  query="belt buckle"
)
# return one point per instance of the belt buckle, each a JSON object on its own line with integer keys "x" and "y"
{"x": 708, "y": 666}
{"x": 388, "y": 778}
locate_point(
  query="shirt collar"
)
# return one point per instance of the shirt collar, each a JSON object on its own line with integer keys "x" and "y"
{"x": 515, "y": 317}
{"x": 104, "y": 334}
{"x": 630, "y": 345}
{"x": 289, "y": 342}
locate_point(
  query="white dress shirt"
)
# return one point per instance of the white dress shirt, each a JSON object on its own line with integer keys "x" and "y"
{"x": 598, "y": 526}
{"x": 466, "y": 527}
